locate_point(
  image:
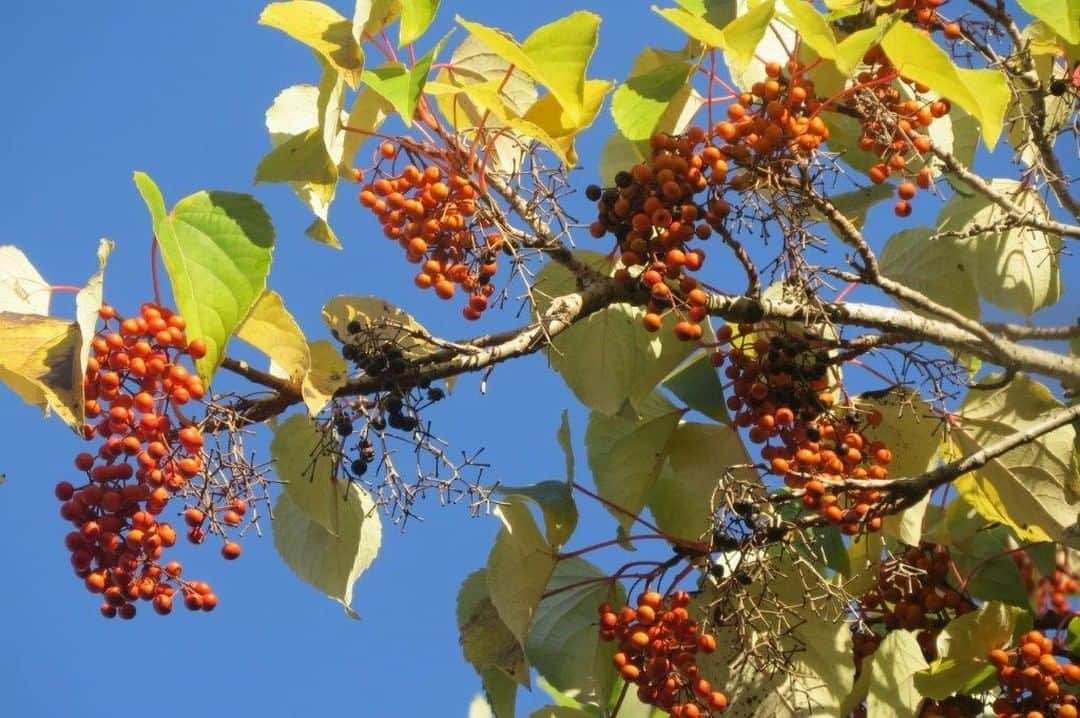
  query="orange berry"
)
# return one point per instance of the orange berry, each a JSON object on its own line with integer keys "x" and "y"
{"x": 231, "y": 551}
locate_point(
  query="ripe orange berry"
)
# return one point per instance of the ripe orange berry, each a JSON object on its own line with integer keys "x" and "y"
{"x": 231, "y": 551}
{"x": 652, "y": 321}
{"x": 906, "y": 190}
{"x": 902, "y": 208}
{"x": 388, "y": 150}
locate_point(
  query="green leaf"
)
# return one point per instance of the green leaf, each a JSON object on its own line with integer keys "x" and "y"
{"x": 555, "y": 500}
{"x": 501, "y": 692}
{"x": 984, "y": 94}
{"x": 321, "y": 28}
{"x": 697, "y": 384}
{"x": 402, "y": 86}
{"x": 814, "y": 30}
{"x": 1062, "y": 15}
{"x": 302, "y": 158}
{"x": 939, "y": 268}
{"x": 555, "y": 55}
{"x": 892, "y": 669}
{"x": 992, "y": 573}
{"x": 271, "y": 329}
{"x": 745, "y": 33}
{"x": 416, "y": 18}
{"x": 22, "y": 288}
{"x": 607, "y": 358}
{"x": 151, "y": 195}
{"x": 485, "y": 640}
{"x": 331, "y": 561}
{"x": 39, "y": 361}
{"x": 564, "y": 645}
{"x": 625, "y": 457}
{"x": 638, "y": 104}
{"x": 216, "y": 247}
{"x": 1017, "y": 269}
{"x": 699, "y": 456}
{"x": 518, "y": 568}
{"x": 964, "y": 646}
{"x": 694, "y": 26}
{"x": 563, "y": 437}
{"x": 304, "y": 456}
{"x": 1035, "y": 482}
{"x": 328, "y": 373}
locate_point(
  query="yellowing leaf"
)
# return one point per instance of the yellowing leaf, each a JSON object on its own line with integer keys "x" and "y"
{"x": 1062, "y": 15}
{"x": 378, "y": 321}
{"x": 321, "y": 28}
{"x": 304, "y": 460}
{"x": 984, "y": 94}
{"x": 331, "y": 561}
{"x": 745, "y": 32}
{"x": 416, "y": 17}
{"x": 555, "y": 55}
{"x": 328, "y": 373}
{"x": 273, "y": 331}
{"x": 39, "y": 361}
{"x": 372, "y": 16}
{"x": 518, "y": 568}
{"x": 557, "y": 129}
{"x": 693, "y": 25}
{"x": 302, "y": 158}
{"x": 22, "y": 288}
{"x": 369, "y": 111}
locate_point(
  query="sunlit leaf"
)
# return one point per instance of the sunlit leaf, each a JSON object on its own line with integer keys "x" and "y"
{"x": 694, "y": 26}
{"x": 39, "y": 361}
{"x": 321, "y": 28}
{"x": 327, "y": 374}
{"x": 555, "y": 55}
{"x": 369, "y": 111}
{"x": 372, "y": 16}
{"x": 416, "y": 18}
{"x": 984, "y": 94}
{"x": 891, "y": 691}
{"x": 938, "y": 268}
{"x": 549, "y": 123}
{"x": 1017, "y": 269}
{"x": 271, "y": 329}
{"x": 1062, "y": 15}
{"x": 402, "y": 86}
{"x": 331, "y": 561}
{"x": 518, "y": 568}
{"x": 88, "y": 301}
{"x": 640, "y": 102}
{"x": 22, "y": 288}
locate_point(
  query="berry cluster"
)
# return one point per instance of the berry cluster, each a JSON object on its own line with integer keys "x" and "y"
{"x": 912, "y": 593}
{"x": 654, "y": 210}
{"x": 895, "y": 128}
{"x": 1031, "y": 677}
{"x": 780, "y": 391}
{"x": 434, "y": 219}
{"x": 924, "y": 14}
{"x": 133, "y": 380}
{"x": 1053, "y": 591}
{"x": 658, "y": 643}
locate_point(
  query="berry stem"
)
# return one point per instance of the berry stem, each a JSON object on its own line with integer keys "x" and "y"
{"x": 616, "y": 507}
{"x": 154, "y": 270}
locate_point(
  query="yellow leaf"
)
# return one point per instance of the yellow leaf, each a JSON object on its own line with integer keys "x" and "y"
{"x": 39, "y": 362}
{"x": 271, "y": 329}
{"x": 321, "y": 28}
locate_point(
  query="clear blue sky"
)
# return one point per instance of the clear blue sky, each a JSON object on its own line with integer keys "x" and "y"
{"x": 95, "y": 91}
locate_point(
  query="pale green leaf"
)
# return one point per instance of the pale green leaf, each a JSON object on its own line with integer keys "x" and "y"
{"x": 155, "y": 202}
{"x": 555, "y": 55}
{"x": 625, "y": 457}
{"x": 321, "y": 28}
{"x": 699, "y": 457}
{"x": 39, "y": 361}
{"x": 216, "y": 247}
{"x": 556, "y": 502}
{"x": 22, "y": 288}
{"x": 518, "y": 568}
{"x": 485, "y": 640}
{"x": 402, "y": 86}
{"x": 892, "y": 692}
{"x": 271, "y": 329}
{"x": 305, "y": 461}
{"x": 331, "y": 561}
{"x": 1017, "y": 269}
{"x": 416, "y": 18}
{"x": 984, "y": 94}
{"x": 302, "y": 158}
{"x": 938, "y": 268}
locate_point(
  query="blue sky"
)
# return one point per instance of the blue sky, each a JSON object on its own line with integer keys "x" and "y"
{"x": 96, "y": 91}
